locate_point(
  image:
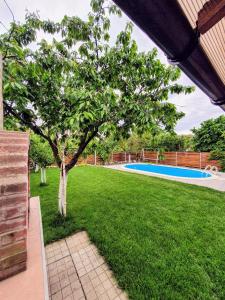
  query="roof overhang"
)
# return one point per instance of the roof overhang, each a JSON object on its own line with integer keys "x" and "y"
{"x": 172, "y": 26}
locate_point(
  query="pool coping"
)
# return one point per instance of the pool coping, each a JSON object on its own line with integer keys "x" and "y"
{"x": 213, "y": 176}
{"x": 214, "y": 182}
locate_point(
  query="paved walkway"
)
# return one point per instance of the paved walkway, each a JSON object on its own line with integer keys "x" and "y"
{"x": 216, "y": 183}
{"x": 76, "y": 271}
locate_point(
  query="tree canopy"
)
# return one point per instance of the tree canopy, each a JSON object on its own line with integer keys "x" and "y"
{"x": 76, "y": 85}
{"x": 40, "y": 151}
{"x": 210, "y": 135}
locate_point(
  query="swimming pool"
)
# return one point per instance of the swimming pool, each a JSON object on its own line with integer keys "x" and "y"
{"x": 169, "y": 170}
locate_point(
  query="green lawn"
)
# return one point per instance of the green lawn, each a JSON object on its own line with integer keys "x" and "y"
{"x": 162, "y": 239}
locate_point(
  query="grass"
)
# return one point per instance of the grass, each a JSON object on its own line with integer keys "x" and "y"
{"x": 163, "y": 239}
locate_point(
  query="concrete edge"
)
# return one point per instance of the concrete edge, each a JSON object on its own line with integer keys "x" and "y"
{"x": 43, "y": 250}
{"x": 212, "y": 183}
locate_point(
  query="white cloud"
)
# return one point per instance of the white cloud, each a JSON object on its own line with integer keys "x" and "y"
{"x": 196, "y": 106}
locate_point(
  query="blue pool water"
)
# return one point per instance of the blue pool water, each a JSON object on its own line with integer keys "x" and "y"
{"x": 169, "y": 171}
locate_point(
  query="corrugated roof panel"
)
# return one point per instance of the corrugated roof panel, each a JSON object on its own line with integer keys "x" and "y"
{"x": 213, "y": 41}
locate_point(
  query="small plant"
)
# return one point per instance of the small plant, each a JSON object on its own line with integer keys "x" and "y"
{"x": 41, "y": 155}
{"x": 161, "y": 155}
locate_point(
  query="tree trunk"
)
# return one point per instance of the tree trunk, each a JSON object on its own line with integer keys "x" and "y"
{"x": 36, "y": 168}
{"x": 43, "y": 175}
{"x": 62, "y": 191}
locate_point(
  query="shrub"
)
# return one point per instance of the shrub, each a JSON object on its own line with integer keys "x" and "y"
{"x": 219, "y": 155}
{"x": 216, "y": 154}
{"x": 41, "y": 154}
{"x": 222, "y": 164}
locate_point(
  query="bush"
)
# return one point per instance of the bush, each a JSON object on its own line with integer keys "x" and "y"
{"x": 222, "y": 164}
{"x": 216, "y": 154}
{"x": 41, "y": 154}
{"x": 219, "y": 155}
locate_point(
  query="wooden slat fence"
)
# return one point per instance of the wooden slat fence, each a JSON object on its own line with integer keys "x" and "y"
{"x": 183, "y": 159}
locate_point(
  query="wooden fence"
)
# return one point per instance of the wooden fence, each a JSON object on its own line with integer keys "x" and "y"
{"x": 183, "y": 159}
{"x": 116, "y": 157}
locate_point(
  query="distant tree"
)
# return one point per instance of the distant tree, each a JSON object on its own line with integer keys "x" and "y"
{"x": 41, "y": 154}
{"x": 187, "y": 142}
{"x": 122, "y": 145}
{"x": 105, "y": 147}
{"x": 167, "y": 141}
{"x": 171, "y": 142}
{"x": 77, "y": 87}
{"x": 134, "y": 143}
{"x": 210, "y": 135}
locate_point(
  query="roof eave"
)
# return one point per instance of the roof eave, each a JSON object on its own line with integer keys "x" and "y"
{"x": 166, "y": 24}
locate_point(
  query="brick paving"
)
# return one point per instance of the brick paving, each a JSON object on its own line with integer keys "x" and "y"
{"x": 76, "y": 271}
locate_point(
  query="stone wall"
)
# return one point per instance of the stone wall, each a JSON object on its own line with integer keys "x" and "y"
{"x": 14, "y": 189}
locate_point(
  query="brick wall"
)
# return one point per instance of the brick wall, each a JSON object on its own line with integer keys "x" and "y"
{"x": 13, "y": 202}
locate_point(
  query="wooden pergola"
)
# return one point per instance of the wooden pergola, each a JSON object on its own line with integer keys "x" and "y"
{"x": 191, "y": 34}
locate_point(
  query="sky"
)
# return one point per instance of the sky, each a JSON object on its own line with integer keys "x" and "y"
{"x": 196, "y": 106}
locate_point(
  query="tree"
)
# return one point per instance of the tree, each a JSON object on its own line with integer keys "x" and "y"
{"x": 41, "y": 154}
{"x": 134, "y": 143}
{"x": 105, "y": 147}
{"x": 210, "y": 135}
{"x": 77, "y": 87}
{"x": 168, "y": 141}
{"x": 188, "y": 142}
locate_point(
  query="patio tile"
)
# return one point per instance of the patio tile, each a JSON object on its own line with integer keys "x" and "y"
{"x": 57, "y": 296}
{"x": 77, "y": 271}
{"x": 56, "y": 251}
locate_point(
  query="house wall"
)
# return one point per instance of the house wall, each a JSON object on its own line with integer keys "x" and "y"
{"x": 14, "y": 191}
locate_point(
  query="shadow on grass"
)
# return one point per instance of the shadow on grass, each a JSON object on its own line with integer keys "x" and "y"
{"x": 43, "y": 184}
{"x": 61, "y": 221}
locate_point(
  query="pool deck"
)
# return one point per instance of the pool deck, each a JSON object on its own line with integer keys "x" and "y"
{"x": 216, "y": 182}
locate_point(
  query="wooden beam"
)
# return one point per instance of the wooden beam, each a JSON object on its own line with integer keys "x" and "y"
{"x": 1, "y": 94}
{"x": 211, "y": 13}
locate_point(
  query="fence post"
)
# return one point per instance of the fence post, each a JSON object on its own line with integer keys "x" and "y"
{"x": 200, "y": 160}
{"x": 112, "y": 158}
{"x": 143, "y": 154}
{"x": 125, "y": 156}
{"x": 129, "y": 158}
{"x": 176, "y": 158}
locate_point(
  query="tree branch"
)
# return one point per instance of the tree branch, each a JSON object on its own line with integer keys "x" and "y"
{"x": 36, "y": 130}
{"x": 83, "y": 144}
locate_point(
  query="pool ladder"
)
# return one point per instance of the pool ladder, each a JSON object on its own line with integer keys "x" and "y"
{"x": 211, "y": 169}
